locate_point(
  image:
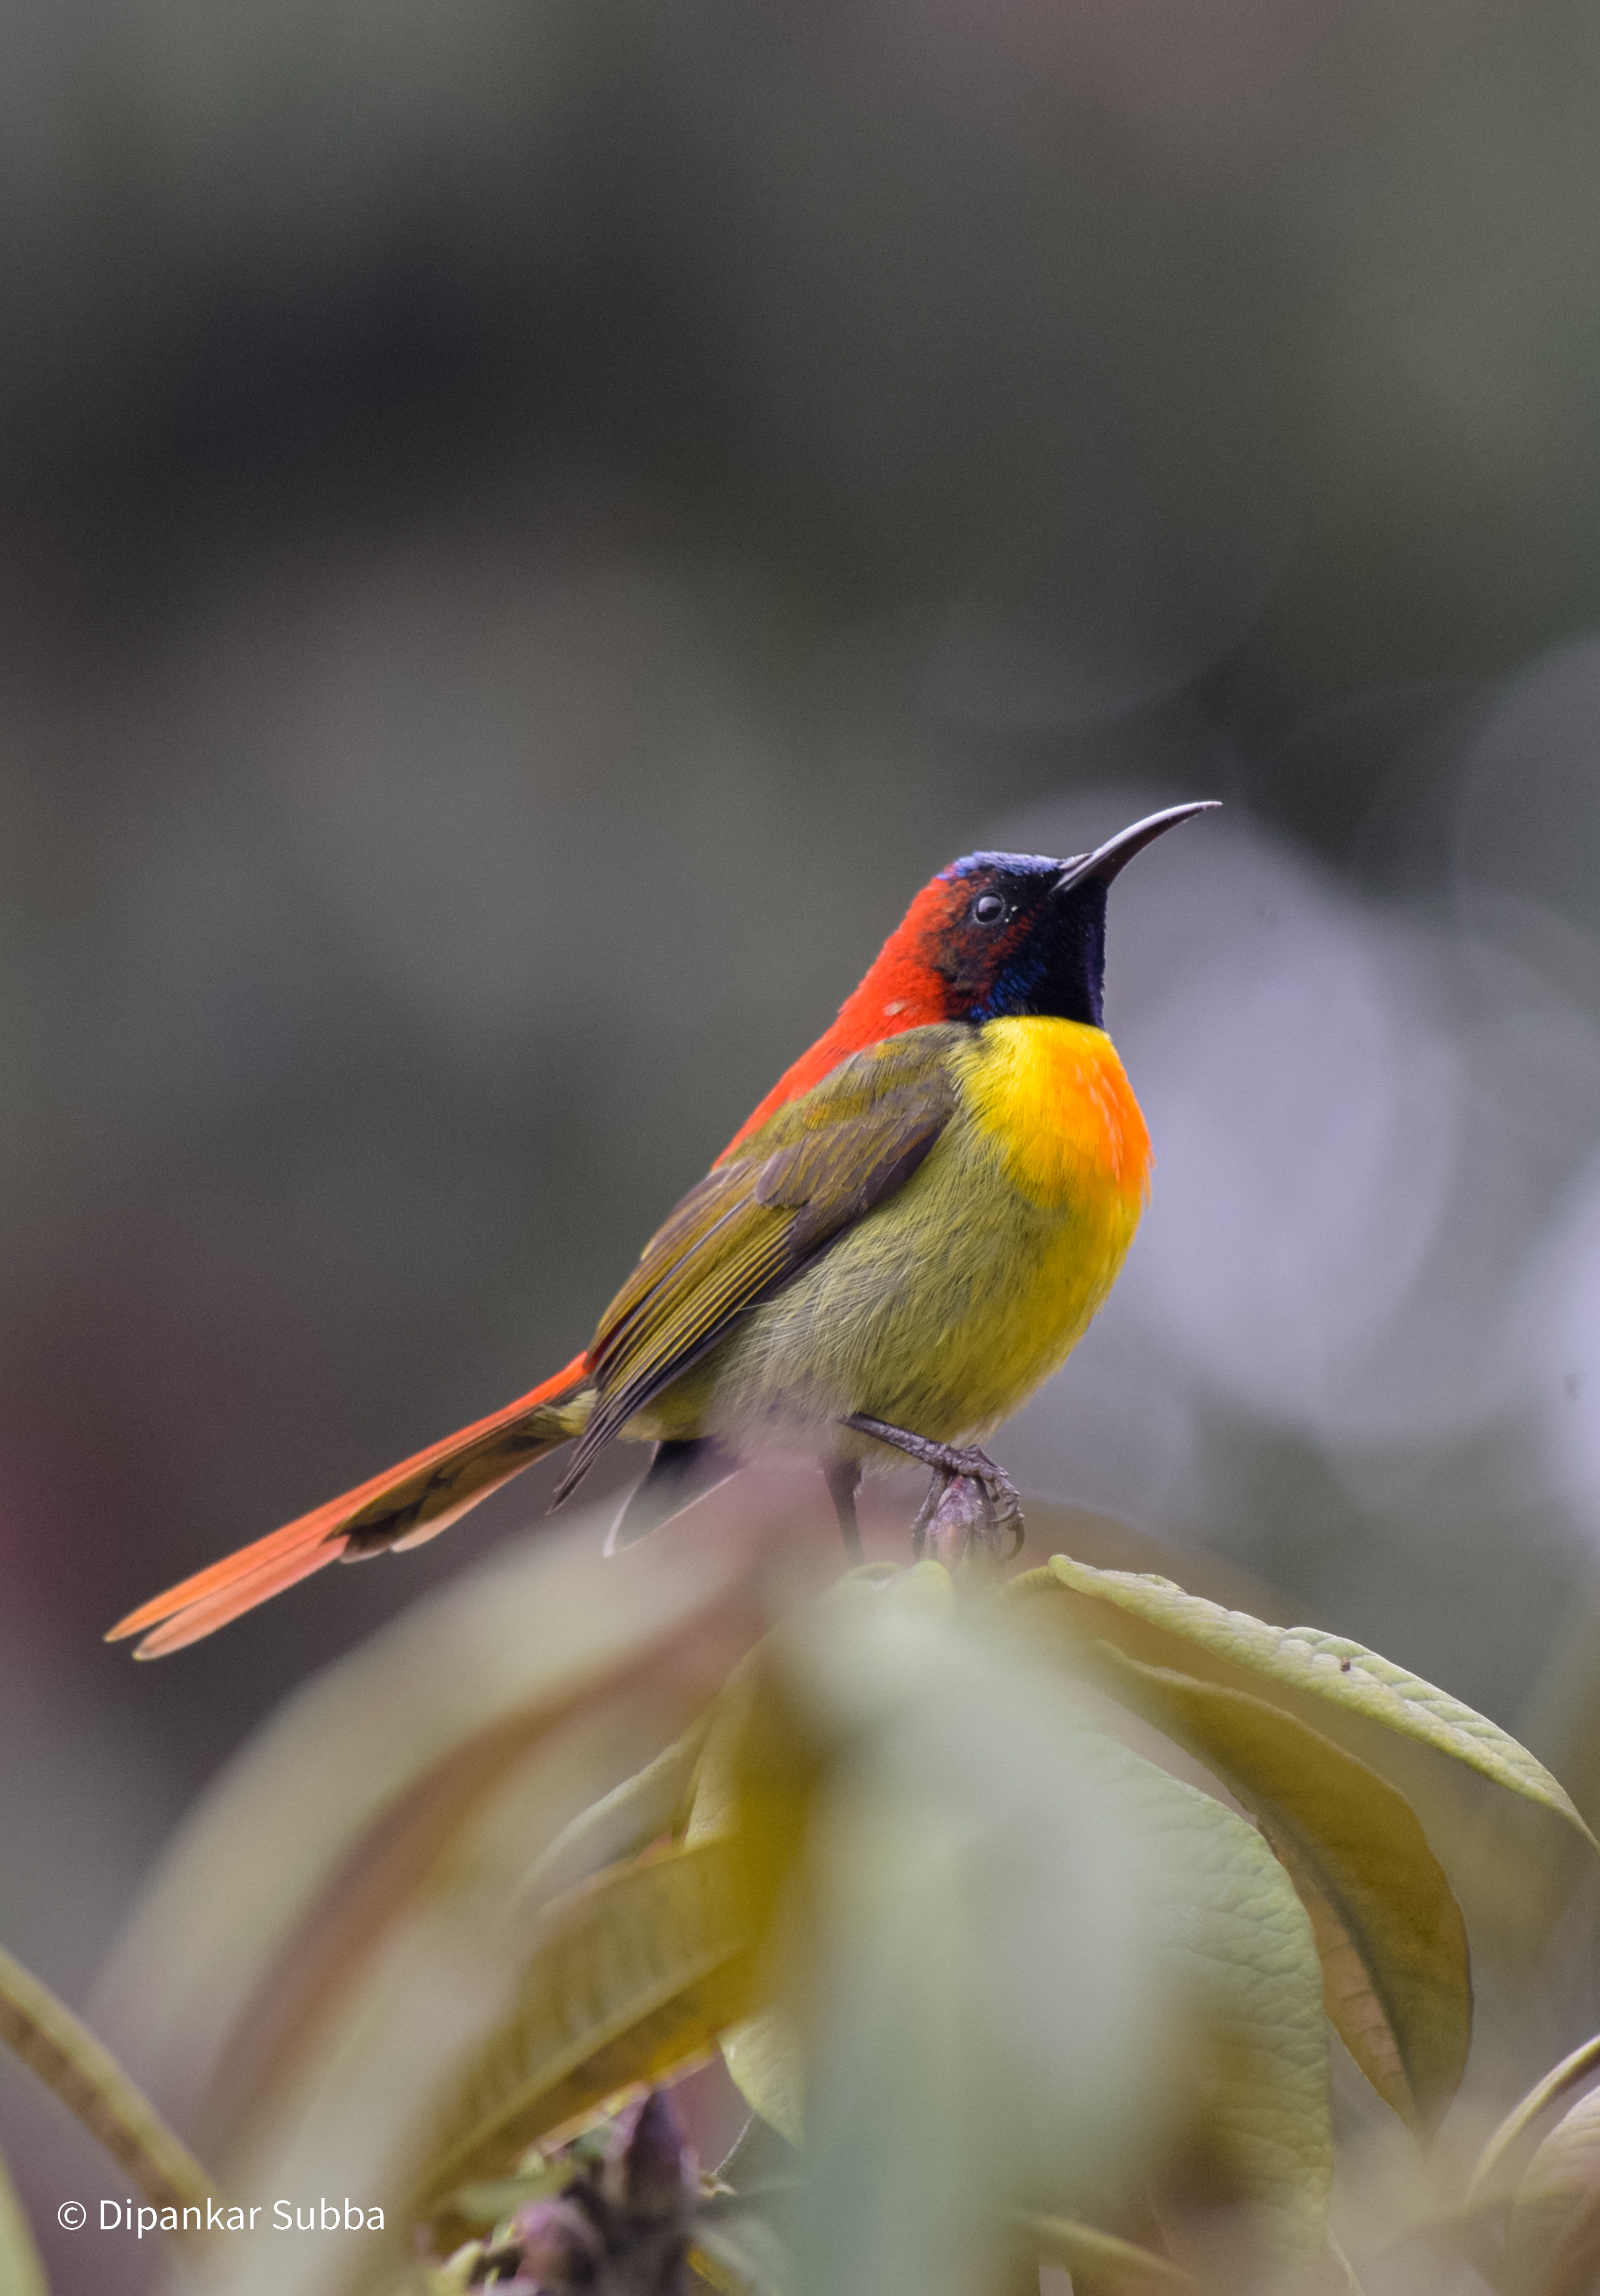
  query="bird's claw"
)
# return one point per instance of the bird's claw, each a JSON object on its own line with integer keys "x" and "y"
{"x": 969, "y": 1506}
{"x": 970, "y": 1502}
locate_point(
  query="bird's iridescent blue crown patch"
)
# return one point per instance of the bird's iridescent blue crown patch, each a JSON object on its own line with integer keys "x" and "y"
{"x": 1019, "y": 865}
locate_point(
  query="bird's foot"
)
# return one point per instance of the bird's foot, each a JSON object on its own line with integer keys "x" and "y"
{"x": 970, "y": 1502}
{"x": 972, "y": 1505}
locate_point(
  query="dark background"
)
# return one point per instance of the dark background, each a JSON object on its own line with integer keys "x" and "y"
{"x": 527, "y": 531}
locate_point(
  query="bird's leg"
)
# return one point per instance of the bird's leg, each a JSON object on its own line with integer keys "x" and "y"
{"x": 970, "y": 1495}
{"x": 843, "y": 1477}
{"x": 922, "y": 1518}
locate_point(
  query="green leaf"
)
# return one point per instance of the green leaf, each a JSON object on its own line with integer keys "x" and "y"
{"x": 758, "y": 2160}
{"x": 1492, "y": 2176}
{"x": 1100, "y": 2264}
{"x": 1553, "y": 2231}
{"x": 767, "y": 2062}
{"x": 656, "y": 1800}
{"x": 1338, "y": 2277}
{"x": 1211, "y": 1990}
{"x": 1396, "y": 1974}
{"x": 759, "y": 1771}
{"x": 634, "y": 1977}
{"x": 740, "y": 2255}
{"x": 959, "y": 1819}
{"x": 21, "y": 2268}
{"x": 267, "y": 1921}
{"x": 1152, "y": 1619}
{"x": 764, "y": 1758}
{"x": 1238, "y": 1944}
{"x": 484, "y": 2206}
{"x": 92, "y": 2085}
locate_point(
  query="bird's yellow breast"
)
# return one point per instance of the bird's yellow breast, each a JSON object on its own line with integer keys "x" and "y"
{"x": 1050, "y": 1114}
{"x": 1054, "y": 1098}
{"x": 943, "y": 1308}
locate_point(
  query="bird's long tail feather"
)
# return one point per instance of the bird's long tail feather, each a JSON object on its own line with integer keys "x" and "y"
{"x": 402, "y": 1507}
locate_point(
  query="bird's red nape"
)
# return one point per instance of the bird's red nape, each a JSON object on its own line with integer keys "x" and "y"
{"x": 905, "y": 989}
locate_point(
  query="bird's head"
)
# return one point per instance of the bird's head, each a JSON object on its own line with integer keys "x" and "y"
{"x": 994, "y": 934}
{"x": 1021, "y": 933}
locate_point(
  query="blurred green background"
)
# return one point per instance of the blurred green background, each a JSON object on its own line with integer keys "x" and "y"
{"x": 529, "y": 532}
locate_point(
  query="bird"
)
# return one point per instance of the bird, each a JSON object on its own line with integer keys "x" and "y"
{"x": 903, "y": 1241}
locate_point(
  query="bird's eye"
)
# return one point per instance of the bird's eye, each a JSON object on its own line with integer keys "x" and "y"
{"x": 988, "y": 909}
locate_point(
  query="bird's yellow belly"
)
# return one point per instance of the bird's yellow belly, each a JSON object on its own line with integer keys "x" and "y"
{"x": 944, "y": 1309}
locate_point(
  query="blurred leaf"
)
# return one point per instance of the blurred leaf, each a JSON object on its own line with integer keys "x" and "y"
{"x": 758, "y": 2159}
{"x": 484, "y": 2206}
{"x": 295, "y": 1868}
{"x": 1100, "y": 2264}
{"x": 764, "y": 1755}
{"x": 725, "y": 1756}
{"x": 656, "y": 1800}
{"x": 741, "y": 2255}
{"x": 1231, "y": 1928}
{"x": 636, "y": 1975}
{"x": 1493, "y": 2166}
{"x": 1041, "y": 1966}
{"x": 956, "y": 1826}
{"x": 762, "y": 1763}
{"x": 91, "y": 2083}
{"x": 1553, "y": 2231}
{"x": 1395, "y": 1966}
{"x": 1153, "y": 1620}
{"x": 766, "y": 2059}
{"x": 21, "y": 2268}
{"x": 1338, "y": 2276}
{"x": 385, "y": 1870}
{"x": 884, "y": 1736}
{"x": 754, "y": 1770}
{"x": 717, "y": 2271}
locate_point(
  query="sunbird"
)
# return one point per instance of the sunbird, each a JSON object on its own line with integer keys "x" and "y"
{"x": 906, "y": 1238}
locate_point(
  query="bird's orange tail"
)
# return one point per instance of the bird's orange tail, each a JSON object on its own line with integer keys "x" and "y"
{"x": 401, "y": 1507}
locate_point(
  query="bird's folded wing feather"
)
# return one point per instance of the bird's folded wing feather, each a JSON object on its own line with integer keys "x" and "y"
{"x": 816, "y": 1166}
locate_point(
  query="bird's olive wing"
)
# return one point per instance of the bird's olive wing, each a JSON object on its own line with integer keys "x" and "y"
{"x": 816, "y": 1166}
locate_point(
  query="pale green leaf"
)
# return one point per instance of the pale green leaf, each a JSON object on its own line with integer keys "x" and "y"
{"x": 761, "y": 1759}
{"x": 635, "y": 1976}
{"x": 759, "y": 1770}
{"x": 484, "y": 2206}
{"x": 1238, "y": 1945}
{"x": 267, "y": 1914}
{"x": 1396, "y": 1973}
{"x": 756, "y": 2158}
{"x": 21, "y": 2268}
{"x": 740, "y": 1715}
{"x": 656, "y": 1800}
{"x": 1338, "y": 2274}
{"x": 1553, "y": 2231}
{"x": 91, "y": 2083}
{"x": 984, "y": 1871}
{"x": 1152, "y": 1619}
{"x": 738, "y": 2254}
{"x": 1491, "y": 2177}
{"x": 1100, "y": 2264}
{"x": 765, "y": 2058}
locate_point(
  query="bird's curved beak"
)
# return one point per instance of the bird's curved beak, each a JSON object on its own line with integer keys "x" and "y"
{"x": 1117, "y": 851}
